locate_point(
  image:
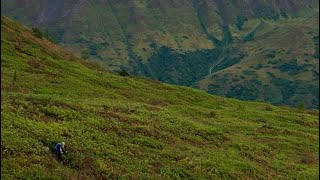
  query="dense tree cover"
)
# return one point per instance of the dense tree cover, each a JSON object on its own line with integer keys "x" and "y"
{"x": 186, "y": 68}
{"x": 246, "y": 91}
{"x": 255, "y": 89}
{"x": 267, "y": 13}
{"x": 249, "y": 37}
{"x": 315, "y": 74}
{"x": 292, "y": 67}
{"x": 316, "y": 46}
{"x": 289, "y": 88}
{"x": 240, "y": 21}
{"x": 243, "y": 92}
{"x": 181, "y": 68}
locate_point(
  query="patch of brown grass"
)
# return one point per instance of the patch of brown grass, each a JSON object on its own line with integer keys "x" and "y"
{"x": 158, "y": 103}
{"x": 35, "y": 64}
{"x": 312, "y": 112}
{"x": 308, "y": 159}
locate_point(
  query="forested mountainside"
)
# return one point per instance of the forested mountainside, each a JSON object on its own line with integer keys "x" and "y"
{"x": 248, "y": 49}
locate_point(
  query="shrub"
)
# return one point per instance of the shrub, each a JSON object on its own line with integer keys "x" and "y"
{"x": 124, "y": 73}
{"x": 34, "y": 64}
{"x": 249, "y": 37}
{"x": 15, "y": 76}
{"x": 272, "y": 54}
{"x": 212, "y": 114}
{"x": 259, "y": 66}
{"x": 242, "y": 92}
{"x": 249, "y": 72}
{"x": 93, "y": 48}
{"x": 301, "y": 106}
{"x": 240, "y": 22}
{"x": 37, "y": 33}
{"x": 18, "y": 46}
{"x": 84, "y": 54}
{"x": 316, "y": 46}
{"x": 268, "y": 108}
{"x": 283, "y": 13}
{"x": 267, "y": 13}
{"x": 291, "y": 67}
{"x": 289, "y": 51}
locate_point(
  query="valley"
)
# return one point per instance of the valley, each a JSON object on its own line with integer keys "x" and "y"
{"x": 255, "y": 50}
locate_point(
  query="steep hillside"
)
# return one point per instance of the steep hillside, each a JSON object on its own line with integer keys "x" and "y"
{"x": 249, "y": 49}
{"x": 125, "y": 127}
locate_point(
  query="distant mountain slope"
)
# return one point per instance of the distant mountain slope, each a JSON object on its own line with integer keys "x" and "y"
{"x": 281, "y": 63}
{"x": 178, "y": 42}
{"x": 125, "y": 127}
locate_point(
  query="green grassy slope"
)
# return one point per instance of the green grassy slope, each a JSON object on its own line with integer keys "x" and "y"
{"x": 128, "y": 127}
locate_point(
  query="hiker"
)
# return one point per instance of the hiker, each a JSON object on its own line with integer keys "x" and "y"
{"x": 59, "y": 149}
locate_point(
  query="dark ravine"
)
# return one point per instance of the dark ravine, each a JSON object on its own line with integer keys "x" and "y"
{"x": 132, "y": 57}
{"x": 200, "y": 15}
